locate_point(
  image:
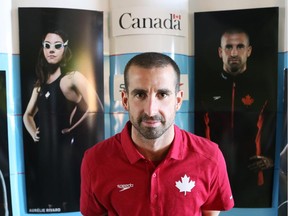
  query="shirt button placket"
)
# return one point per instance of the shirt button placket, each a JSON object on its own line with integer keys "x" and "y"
{"x": 154, "y": 188}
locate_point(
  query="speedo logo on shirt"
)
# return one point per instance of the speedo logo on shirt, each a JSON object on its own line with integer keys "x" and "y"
{"x": 124, "y": 187}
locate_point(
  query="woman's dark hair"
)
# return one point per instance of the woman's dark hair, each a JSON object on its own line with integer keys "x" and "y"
{"x": 43, "y": 68}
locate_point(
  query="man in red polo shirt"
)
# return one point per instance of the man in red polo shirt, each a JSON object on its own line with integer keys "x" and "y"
{"x": 153, "y": 167}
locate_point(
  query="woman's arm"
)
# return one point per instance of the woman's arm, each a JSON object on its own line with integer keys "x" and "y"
{"x": 76, "y": 87}
{"x": 28, "y": 117}
{"x": 87, "y": 91}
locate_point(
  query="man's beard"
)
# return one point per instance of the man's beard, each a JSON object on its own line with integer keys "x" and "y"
{"x": 234, "y": 68}
{"x": 150, "y": 132}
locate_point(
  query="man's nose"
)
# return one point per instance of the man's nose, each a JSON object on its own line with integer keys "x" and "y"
{"x": 151, "y": 106}
{"x": 234, "y": 51}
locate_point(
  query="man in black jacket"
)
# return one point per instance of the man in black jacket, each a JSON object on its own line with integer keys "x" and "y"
{"x": 236, "y": 112}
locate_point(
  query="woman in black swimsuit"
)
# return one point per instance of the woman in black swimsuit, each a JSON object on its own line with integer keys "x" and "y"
{"x": 57, "y": 98}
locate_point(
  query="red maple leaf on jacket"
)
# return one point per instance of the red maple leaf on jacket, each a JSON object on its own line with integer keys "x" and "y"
{"x": 247, "y": 100}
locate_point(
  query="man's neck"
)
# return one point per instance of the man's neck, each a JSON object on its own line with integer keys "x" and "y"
{"x": 234, "y": 73}
{"x": 153, "y": 154}
{"x": 153, "y": 149}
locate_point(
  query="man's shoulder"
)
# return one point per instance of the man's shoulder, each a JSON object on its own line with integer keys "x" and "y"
{"x": 217, "y": 84}
{"x": 102, "y": 148}
{"x": 200, "y": 145}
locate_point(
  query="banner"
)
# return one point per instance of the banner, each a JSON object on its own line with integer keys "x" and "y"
{"x": 283, "y": 180}
{"x": 5, "y": 193}
{"x": 61, "y": 63}
{"x": 236, "y": 96}
{"x": 144, "y": 20}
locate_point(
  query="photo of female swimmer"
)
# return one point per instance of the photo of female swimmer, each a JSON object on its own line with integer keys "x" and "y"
{"x": 60, "y": 102}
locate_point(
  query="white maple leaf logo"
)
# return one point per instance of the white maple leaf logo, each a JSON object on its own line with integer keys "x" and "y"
{"x": 186, "y": 185}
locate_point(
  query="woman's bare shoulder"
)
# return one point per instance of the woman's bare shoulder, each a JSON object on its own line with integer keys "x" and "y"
{"x": 72, "y": 75}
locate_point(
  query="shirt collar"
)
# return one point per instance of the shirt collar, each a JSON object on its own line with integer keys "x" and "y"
{"x": 175, "y": 152}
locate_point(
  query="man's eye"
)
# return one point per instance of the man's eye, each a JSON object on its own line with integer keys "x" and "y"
{"x": 163, "y": 95}
{"x": 241, "y": 46}
{"x": 140, "y": 95}
{"x": 228, "y": 47}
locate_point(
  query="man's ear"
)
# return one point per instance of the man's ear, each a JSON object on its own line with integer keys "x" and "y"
{"x": 249, "y": 51}
{"x": 220, "y": 52}
{"x": 179, "y": 99}
{"x": 124, "y": 97}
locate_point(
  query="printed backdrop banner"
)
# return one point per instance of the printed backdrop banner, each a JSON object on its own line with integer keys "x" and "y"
{"x": 61, "y": 63}
{"x": 144, "y": 20}
{"x": 147, "y": 25}
{"x": 283, "y": 180}
{"x": 236, "y": 96}
{"x": 5, "y": 192}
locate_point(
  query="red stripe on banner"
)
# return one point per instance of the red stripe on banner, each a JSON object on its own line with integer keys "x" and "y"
{"x": 258, "y": 142}
{"x": 207, "y": 128}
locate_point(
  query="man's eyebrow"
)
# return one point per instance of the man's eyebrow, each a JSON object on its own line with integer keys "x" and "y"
{"x": 237, "y": 45}
{"x": 164, "y": 90}
{"x": 137, "y": 91}
{"x": 228, "y": 45}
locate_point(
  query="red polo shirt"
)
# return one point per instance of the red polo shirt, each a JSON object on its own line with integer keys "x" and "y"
{"x": 117, "y": 179}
